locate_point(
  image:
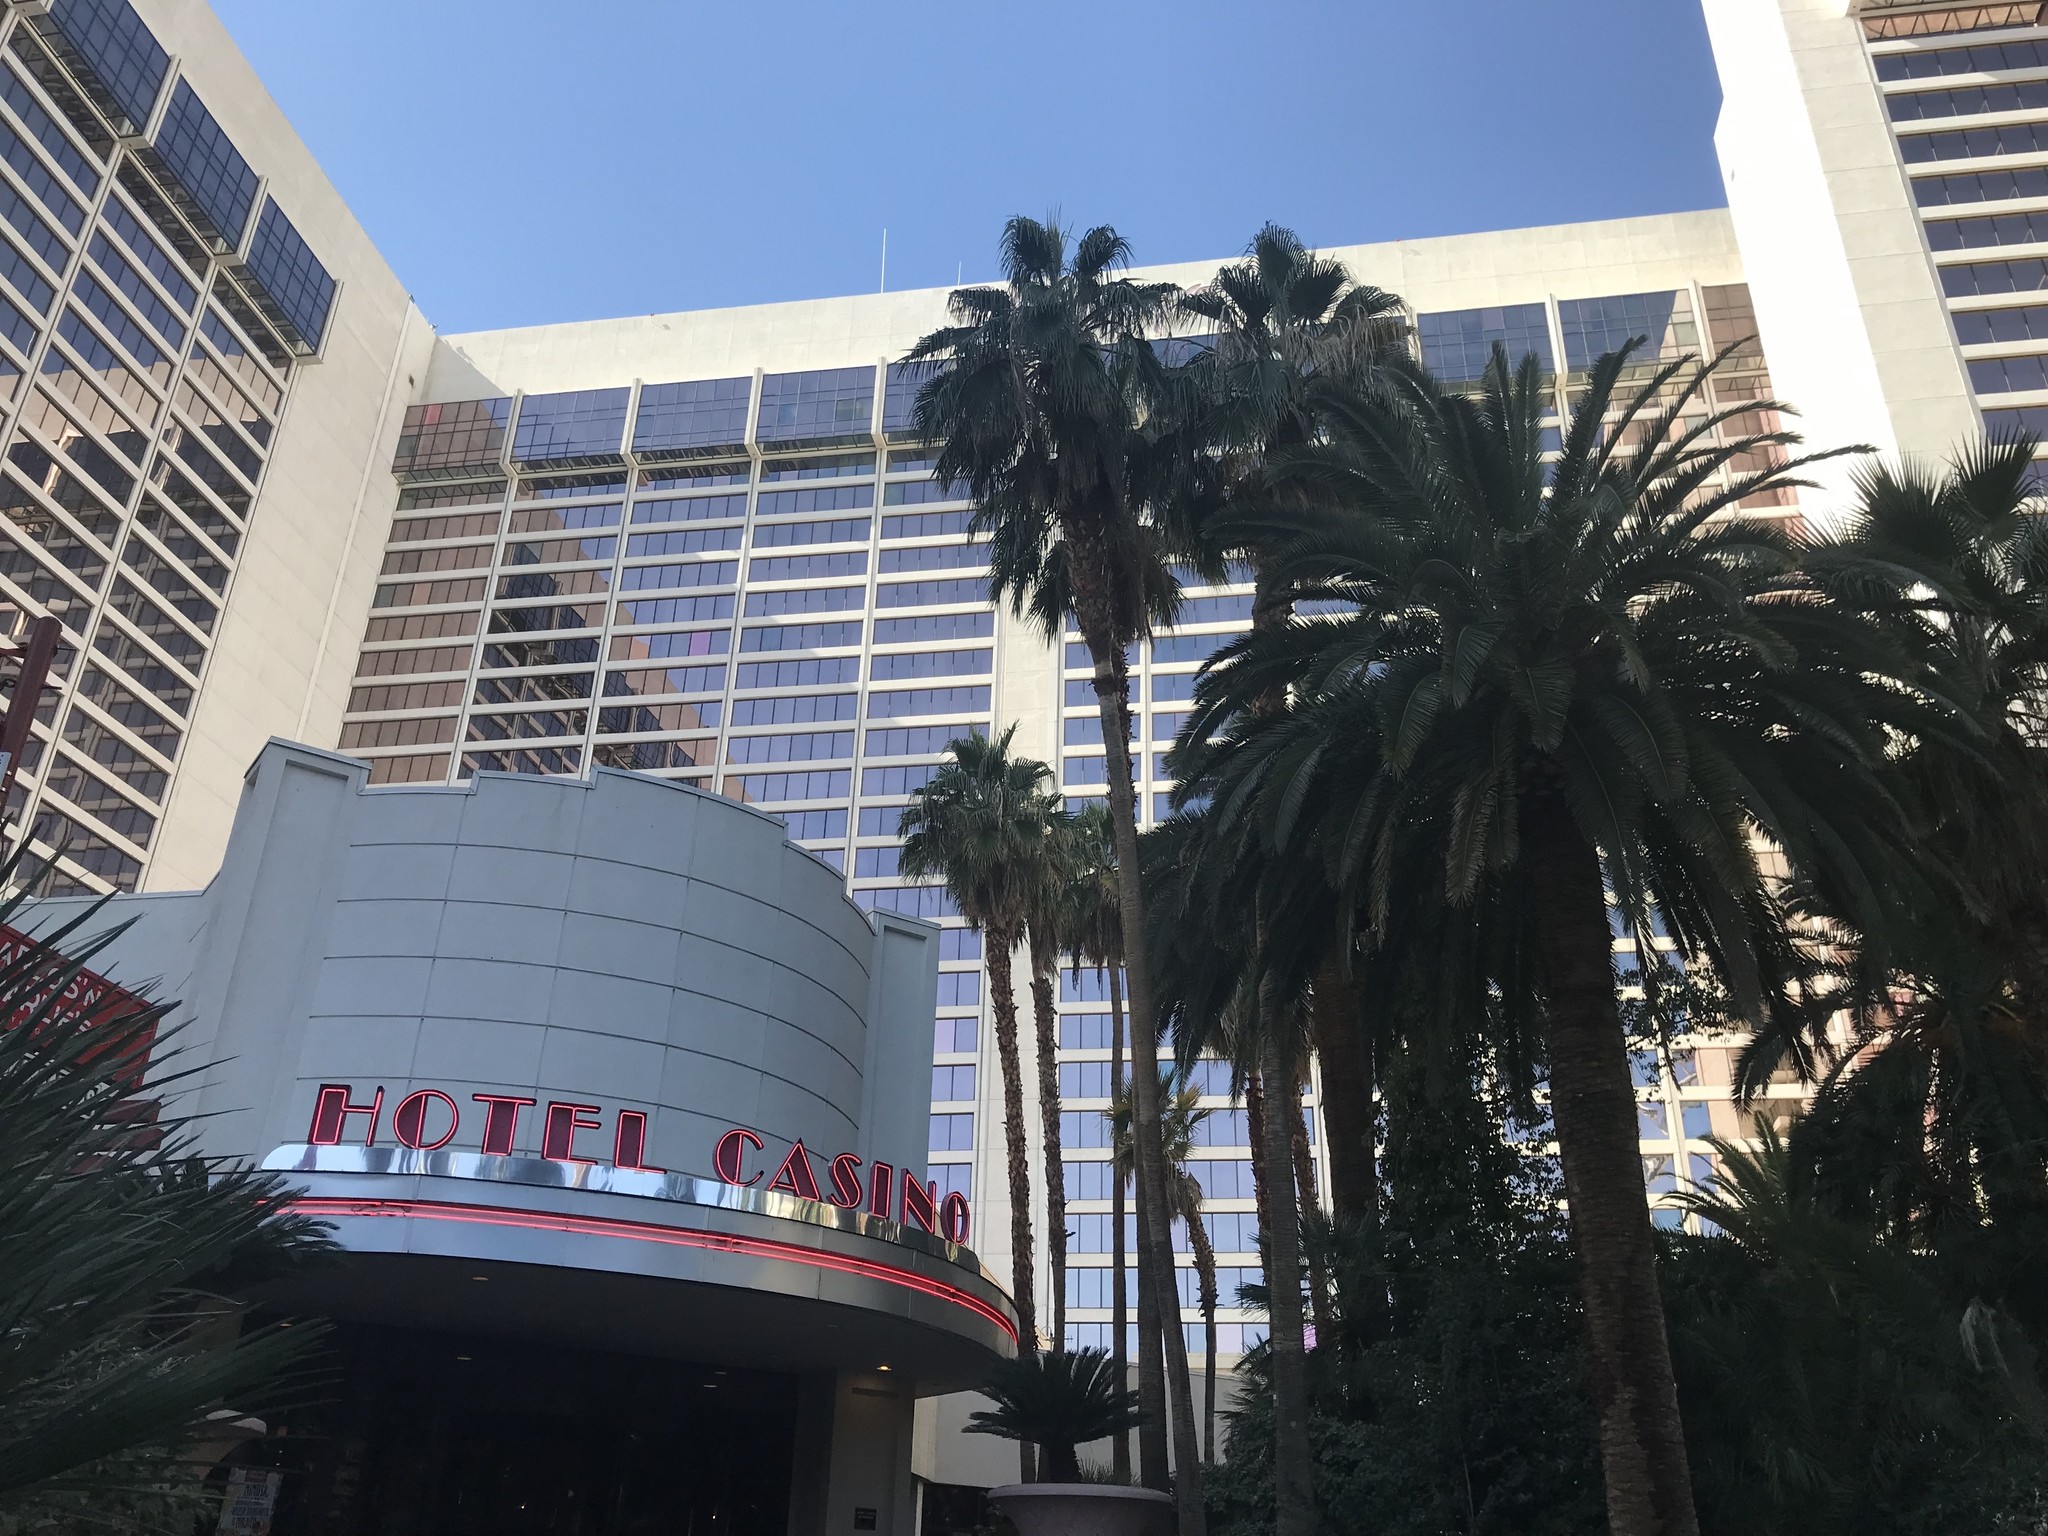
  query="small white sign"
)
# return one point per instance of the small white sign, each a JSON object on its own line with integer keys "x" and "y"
{"x": 251, "y": 1496}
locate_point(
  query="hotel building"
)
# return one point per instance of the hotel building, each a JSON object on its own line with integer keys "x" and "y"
{"x": 268, "y": 500}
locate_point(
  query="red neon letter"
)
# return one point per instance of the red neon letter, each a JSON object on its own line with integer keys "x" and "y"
{"x": 409, "y": 1120}
{"x": 846, "y": 1182}
{"x": 558, "y": 1131}
{"x": 882, "y": 1192}
{"x": 501, "y": 1121}
{"x": 920, "y": 1203}
{"x": 795, "y": 1176}
{"x": 729, "y": 1160}
{"x": 331, "y": 1110}
{"x": 954, "y": 1219}
{"x": 630, "y": 1146}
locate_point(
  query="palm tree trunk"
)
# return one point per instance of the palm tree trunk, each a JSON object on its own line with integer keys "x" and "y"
{"x": 1113, "y": 698}
{"x": 1153, "y": 1470}
{"x": 1045, "y": 962}
{"x": 1344, "y": 1049}
{"x": 1294, "y": 1504}
{"x": 1310, "y": 1200}
{"x": 1593, "y": 1102}
{"x": 1205, "y": 1275}
{"x": 1294, "y": 1494}
{"x": 1119, "y": 1351}
{"x": 1021, "y": 1265}
{"x": 1255, "y": 1127}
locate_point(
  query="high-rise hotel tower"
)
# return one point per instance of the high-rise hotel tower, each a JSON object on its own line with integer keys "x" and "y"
{"x": 266, "y": 499}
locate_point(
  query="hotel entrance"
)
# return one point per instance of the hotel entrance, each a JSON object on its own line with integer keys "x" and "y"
{"x": 440, "y": 1434}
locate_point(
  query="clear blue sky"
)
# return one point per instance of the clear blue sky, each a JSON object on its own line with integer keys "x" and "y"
{"x": 521, "y": 162}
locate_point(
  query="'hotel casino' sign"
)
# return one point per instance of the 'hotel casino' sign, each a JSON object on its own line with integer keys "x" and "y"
{"x": 428, "y": 1119}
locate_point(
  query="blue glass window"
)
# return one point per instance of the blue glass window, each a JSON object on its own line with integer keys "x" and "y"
{"x": 292, "y": 276}
{"x": 1994, "y": 229}
{"x": 19, "y": 271}
{"x": 683, "y": 419}
{"x": 1457, "y": 344}
{"x": 1596, "y": 326}
{"x": 2008, "y": 375}
{"x": 1978, "y": 327}
{"x": 1981, "y": 186}
{"x": 47, "y": 132}
{"x": 16, "y": 326}
{"x": 122, "y": 57}
{"x": 211, "y": 170}
{"x": 1976, "y": 59}
{"x": 1964, "y": 101}
{"x": 899, "y": 396}
{"x": 582, "y": 426}
{"x": 1970, "y": 143}
{"x": 155, "y": 260}
{"x": 36, "y": 176}
{"x": 122, "y": 274}
{"x": 823, "y": 406}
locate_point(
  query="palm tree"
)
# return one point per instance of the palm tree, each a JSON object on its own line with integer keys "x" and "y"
{"x": 121, "y": 1250}
{"x": 1091, "y": 925}
{"x": 1184, "y": 1114}
{"x": 981, "y": 825}
{"x": 1551, "y": 680}
{"x": 1060, "y": 1401}
{"x": 1043, "y": 404}
{"x": 1284, "y": 318}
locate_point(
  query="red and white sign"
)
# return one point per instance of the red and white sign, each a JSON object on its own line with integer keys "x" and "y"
{"x": 427, "y": 1119}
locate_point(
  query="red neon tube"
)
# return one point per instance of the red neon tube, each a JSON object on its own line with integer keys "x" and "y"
{"x": 649, "y": 1232}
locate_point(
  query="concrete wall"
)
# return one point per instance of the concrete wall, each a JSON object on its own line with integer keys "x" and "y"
{"x": 1847, "y": 301}
{"x": 286, "y": 649}
{"x": 622, "y": 941}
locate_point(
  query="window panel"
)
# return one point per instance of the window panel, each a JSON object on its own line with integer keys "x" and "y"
{"x": 44, "y": 187}
{"x": 1968, "y": 100}
{"x": 897, "y": 666}
{"x": 793, "y": 709}
{"x": 1992, "y": 229}
{"x": 924, "y": 525}
{"x": 807, "y": 567}
{"x": 838, "y": 466}
{"x": 834, "y": 531}
{"x": 690, "y": 417}
{"x": 288, "y": 272}
{"x": 825, "y": 784}
{"x": 574, "y": 427}
{"x": 1593, "y": 327}
{"x": 124, "y": 60}
{"x": 768, "y": 605}
{"x": 1973, "y": 143}
{"x": 1983, "y": 327}
{"x": 1458, "y": 344}
{"x": 935, "y": 557}
{"x": 442, "y": 441}
{"x": 917, "y": 594}
{"x": 210, "y": 169}
{"x": 46, "y": 131}
{"x": 935, "y": 626}
{"x": 819, "y": 406}
{"x": 823, "y": 498}
{"x": 927, "y": 701}
{"x": 654, "y": 756}
{"x": 818, "y": 746}
{"x": 795, "y": 674}
{"x": 1981, "y": 186}
{"x": 690, "y": 509}
{"x": 800, "y": 637}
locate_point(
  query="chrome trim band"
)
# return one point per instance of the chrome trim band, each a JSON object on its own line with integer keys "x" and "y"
{"x": 605, "y": 1178}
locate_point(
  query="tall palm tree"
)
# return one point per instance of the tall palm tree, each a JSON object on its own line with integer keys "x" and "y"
{"x": 1092, "y": 929}
{"x": 1553, "y": 679}
{"x": 1044, "y": 917}
{"x": 1184, "y": 1114}
{"x": 1284, "y": 318}
{"x": 1043, "y": 404}
{"x": 981, "y": 825}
